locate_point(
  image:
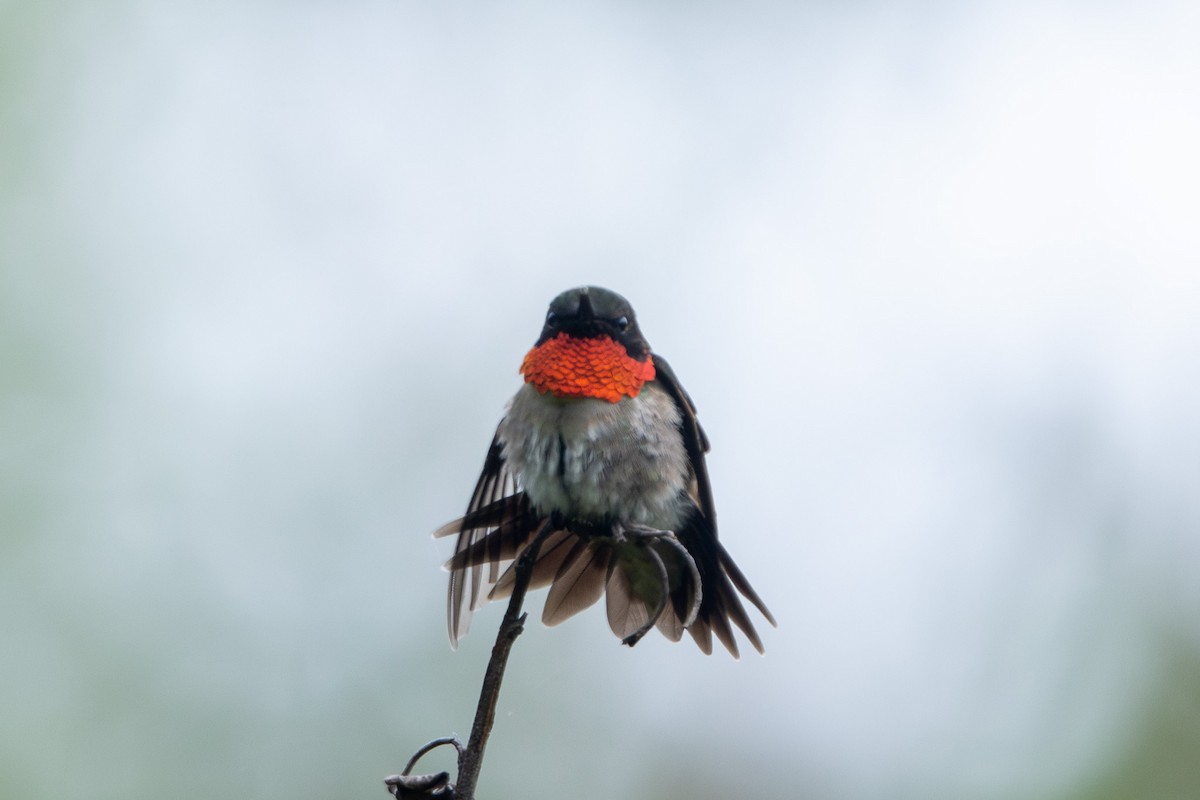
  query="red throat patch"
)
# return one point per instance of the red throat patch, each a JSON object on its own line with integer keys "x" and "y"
{"x": 599, "y": 367}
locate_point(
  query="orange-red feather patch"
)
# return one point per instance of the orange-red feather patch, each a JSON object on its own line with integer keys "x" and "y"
{"x": 573, "y": 367}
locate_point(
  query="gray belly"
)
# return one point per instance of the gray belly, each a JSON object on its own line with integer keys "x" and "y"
{"x": 594, "y": 460}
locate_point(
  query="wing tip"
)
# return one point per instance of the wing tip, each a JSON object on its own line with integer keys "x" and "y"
{"x": 452, "y": 527}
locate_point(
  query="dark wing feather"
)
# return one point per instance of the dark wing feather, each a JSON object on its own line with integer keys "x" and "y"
{"x": 720, "y": 578}
{"x": 507, "y": 524}
{"x": 694, "y": 438}
{"x": 719, "y": 602}
{"x": 498, "y": 523}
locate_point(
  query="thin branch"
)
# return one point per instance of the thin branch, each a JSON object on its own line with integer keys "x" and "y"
{"x": 471, "y": 760}
{"x": 412, "y": 762}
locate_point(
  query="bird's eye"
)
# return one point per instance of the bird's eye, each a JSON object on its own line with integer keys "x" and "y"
{"x": 551, "y": 318}
{"x": 622, "y": 322}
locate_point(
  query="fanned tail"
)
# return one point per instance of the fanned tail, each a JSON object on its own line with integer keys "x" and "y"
{"x": 648, "y": 580}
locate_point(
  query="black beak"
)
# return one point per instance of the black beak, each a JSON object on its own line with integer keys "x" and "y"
{"x": 585, "y": 307}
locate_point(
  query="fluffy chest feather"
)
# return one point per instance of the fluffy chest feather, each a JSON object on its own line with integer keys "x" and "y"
{"x": 598, "y": 460}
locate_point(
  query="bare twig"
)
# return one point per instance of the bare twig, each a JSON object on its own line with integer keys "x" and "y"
{"x": 412, "y": 762}
{"x": 470, "y": 757}
{"x": 471, "y": 761}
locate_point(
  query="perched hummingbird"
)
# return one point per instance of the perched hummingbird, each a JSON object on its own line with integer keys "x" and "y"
{"x": 600, "y": 451}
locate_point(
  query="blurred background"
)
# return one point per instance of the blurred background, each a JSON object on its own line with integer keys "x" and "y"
{"x": 930, "y": 270}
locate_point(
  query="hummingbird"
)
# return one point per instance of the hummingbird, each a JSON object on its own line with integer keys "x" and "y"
{"x": 601, "y": 455}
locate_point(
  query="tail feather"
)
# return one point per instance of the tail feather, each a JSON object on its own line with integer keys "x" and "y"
{"x": 578, "y": 584}
{"x": 703, "y": 583}
{"x": 554, "y": 550}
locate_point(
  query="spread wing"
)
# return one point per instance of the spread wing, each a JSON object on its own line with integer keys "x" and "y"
{"x": 498, "y": 523}
{"x": 719, "y": 575}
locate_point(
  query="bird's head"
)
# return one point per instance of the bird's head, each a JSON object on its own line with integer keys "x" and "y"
{"x": 590, "y": 346}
